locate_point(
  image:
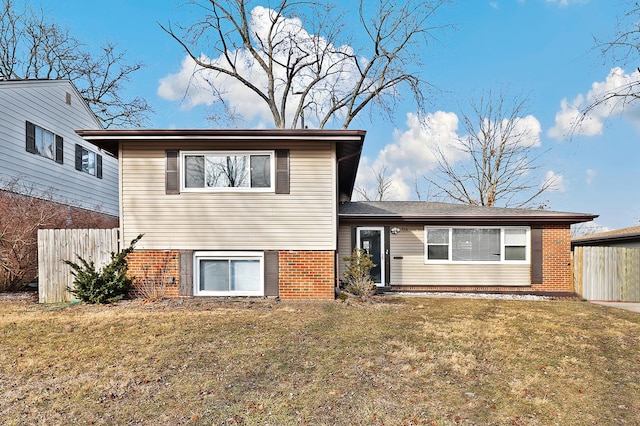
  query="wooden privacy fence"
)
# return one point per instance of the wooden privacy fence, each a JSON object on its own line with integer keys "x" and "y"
{"x": 607, "y": 273}
{"x": 57, "y": 245}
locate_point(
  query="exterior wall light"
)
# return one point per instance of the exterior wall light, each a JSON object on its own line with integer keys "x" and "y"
{"x": 395, "y": 230}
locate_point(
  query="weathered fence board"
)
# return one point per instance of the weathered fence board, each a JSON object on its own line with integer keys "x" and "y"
{"x": 57, "y": 245}
{"x": 607, "y": 273}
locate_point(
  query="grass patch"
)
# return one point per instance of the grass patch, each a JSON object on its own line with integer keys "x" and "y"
{"x": 433, "y": 361}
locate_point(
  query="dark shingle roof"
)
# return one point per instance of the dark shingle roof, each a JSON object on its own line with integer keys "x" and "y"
{"x": 446, "y": 212}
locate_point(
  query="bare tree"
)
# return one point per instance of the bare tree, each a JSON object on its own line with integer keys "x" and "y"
{"x": 32, "y": 47}
{"x": 586, "y": 228}
{"x": 293, "y": 56}
{"x": 622, "y": 49}
{"x": 496, "y": 160}
{"x": 382, "y": 189}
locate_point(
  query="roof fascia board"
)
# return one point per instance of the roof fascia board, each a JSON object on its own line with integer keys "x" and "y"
{"x": 599, "y": 240}
{"x": 468, "y": 219}
{"x": 221, "y": 138}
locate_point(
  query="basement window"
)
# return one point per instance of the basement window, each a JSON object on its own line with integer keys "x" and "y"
{"x": 229, "y": 274}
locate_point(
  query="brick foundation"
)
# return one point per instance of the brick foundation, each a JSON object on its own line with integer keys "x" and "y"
{"x": 307, "y": 274}
{"x": 156, "y": 272}
{"x": 302, "y": 274}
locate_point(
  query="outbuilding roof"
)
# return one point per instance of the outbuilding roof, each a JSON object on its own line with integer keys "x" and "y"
{"x": 615, "y": 236}
{"x": 422, "y": 211}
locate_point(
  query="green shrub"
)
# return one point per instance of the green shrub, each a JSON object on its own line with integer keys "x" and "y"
{"x": 106, "y": 285}
{"x": 357, "y": 274}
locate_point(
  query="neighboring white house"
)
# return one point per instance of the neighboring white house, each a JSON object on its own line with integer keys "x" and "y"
{"x": 40, "y": 149}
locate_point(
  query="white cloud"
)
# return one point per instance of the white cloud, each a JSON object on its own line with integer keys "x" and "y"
{"x": 588, "y": 228}
{"x": 591, "y": 174}
{"x": 529, "y": 128}
{"x": 411, "y": 155}
{"x": 555, "y": 181}
{"x": 569, "y": 119}
{"x": 192, "y": 84}
{"x": 567, "y": 3}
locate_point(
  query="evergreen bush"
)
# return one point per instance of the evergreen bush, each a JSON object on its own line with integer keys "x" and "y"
{"x": 357, "y": 274}
{"x": 106, "y": 285}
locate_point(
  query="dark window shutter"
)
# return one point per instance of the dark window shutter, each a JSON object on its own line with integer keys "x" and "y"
{"x": 271, "y": 273}
{"x": 172, "y": 185}
{"x": 59, "y": 150}
{"x": 186, "y": 274}
{"x": 387, "y": 255}
{"x": 99, "y": 166}
{"x": 78, "y": 157}
{"x": 282, "y": 171}
{"x": 31, "y": 138}
{"x": 536, "y": 256}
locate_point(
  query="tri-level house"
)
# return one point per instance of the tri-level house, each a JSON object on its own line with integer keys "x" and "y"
{"x": 41, "y": 156}
{"x": 269, "y": 213}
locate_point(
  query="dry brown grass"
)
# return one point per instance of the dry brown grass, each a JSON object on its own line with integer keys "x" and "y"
{"x": 434, "y": 361}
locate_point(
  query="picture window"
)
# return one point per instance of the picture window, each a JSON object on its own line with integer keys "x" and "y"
{"x": 227, "y": 171}
{"x": 476, "y": 245}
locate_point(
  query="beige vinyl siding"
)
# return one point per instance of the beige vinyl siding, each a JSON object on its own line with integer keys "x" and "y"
{"x": 344, "y": 247}
{"x": 408, "y": 267}
{"x": 305, "y": 219}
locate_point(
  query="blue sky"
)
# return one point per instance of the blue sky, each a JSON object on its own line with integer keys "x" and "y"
{"x": 543, "y": 49}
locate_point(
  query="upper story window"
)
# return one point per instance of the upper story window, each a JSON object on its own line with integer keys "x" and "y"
{"x": 44, "y": 143}
{"x": 88, "y": 161}
{"x": 228, "y": 171}
{"x": 477, "y": 244}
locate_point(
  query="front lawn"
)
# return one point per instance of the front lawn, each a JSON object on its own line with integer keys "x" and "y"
{"x": 403, "y": 361}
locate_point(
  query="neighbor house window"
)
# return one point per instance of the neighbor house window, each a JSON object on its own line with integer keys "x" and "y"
{"x": 229, "y": 274}
{"x": 476, "y": 244}
{"x": 227, "y": 171}
{"x": 44, "y": 143}
{"x": 88, "y": 161}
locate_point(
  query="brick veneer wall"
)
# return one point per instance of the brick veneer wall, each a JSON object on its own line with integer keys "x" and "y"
{"x": 306, "y": 274}
{"x": 556, "y": 260}
{"x": 156, "y": 273}
{"x": 302, "y": 274}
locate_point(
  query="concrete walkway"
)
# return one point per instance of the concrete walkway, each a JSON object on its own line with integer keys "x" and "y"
{"x": 627, "y": 306}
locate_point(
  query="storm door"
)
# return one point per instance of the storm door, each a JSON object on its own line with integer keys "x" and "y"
{"x": 371, "y": 240}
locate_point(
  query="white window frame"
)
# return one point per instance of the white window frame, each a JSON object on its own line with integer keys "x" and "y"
{"x": 272, "y": 171}
{"x": 41, "y": 143}
{"x": 89, "y": 154}
{"x": 227, "y": 255}
{"x": 502, "y": 260}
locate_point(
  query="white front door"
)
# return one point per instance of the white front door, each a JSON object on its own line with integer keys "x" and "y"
{"x": 371, "y": 240}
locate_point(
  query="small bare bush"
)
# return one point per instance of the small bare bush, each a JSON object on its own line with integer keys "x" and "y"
{"x": 155, "y": 279}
